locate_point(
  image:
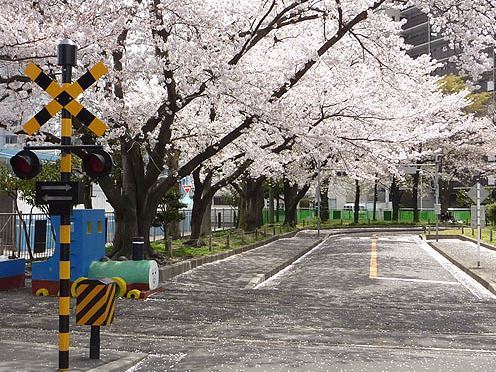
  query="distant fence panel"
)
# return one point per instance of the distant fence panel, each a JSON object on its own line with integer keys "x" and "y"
{"x": 221, "y": 218}
{"x": 38, "y": 235}
{"x": 404, "y": 215}
{"x": 302, "y": 214}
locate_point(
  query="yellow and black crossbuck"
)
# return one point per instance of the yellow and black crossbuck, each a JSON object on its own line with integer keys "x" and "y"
{"x": 95, "y": 302}
{"x": 65, "y": 97}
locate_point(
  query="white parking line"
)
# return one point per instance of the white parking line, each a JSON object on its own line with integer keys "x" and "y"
{"x": 467, "y": 281}
{"x": 418, "y": 280}
{"x": 287, "y": 268}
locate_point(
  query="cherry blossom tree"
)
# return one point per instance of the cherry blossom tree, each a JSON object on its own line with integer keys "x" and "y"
{"x": 216, "y": 70}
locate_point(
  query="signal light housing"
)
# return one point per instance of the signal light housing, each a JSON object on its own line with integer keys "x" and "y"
{"x": 97, "y": 164}
{"x": 25, "y": 164}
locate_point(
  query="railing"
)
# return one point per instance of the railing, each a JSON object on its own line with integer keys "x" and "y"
{"x": 18, "y": 233}
{"x": 38, "y": 233}
{"x": 21, "y": 233}
{"x": 220, "y": 219}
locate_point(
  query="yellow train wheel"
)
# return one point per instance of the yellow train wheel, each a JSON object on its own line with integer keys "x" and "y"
{"x": 74, "y": 285}
{"x": 134, "y": 294}
{"x": 42, "y": 292}
{"x": 121, "y": 285}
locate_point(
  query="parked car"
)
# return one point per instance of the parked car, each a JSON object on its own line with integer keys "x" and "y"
{"x": 351, "y": 207}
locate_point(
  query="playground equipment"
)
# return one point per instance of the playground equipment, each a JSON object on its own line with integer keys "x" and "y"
{"x": 12, "y": 273}
{"x": 87, "y": 245}
{"x": 139, "y": 276}
{"x": 134, "y": 279}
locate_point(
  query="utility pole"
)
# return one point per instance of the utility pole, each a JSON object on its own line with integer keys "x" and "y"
{"x": 478, "y": 218}
{"x": 437, "y": 206}
{"x": 318, "y": 197}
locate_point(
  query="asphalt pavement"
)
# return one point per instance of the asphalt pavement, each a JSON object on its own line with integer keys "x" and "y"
{"x": 367, "y": 302}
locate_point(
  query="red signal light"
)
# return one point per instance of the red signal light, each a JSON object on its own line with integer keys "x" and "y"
{"x": 25, "y": 164}
{"x": 97, "y": 164}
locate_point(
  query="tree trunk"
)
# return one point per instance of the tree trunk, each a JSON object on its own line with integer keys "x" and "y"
{"x": 131, "y": 217}
{"x": 202, "y": 199}
{"x": 356, "y": 212}
{"x": 415, "y": 188}
{"x": 277, "y": 208}
{"x": 324, "y": 203}
{"x": 291, "y": 199}
{"x": 173, "y": 166}
{"x": 241, "y": 213}
{"x": 446, "y": 188}
{"x": 254, "y": 203}
{"x": 206, "y": 227}
{"x": 375, "y": 201}
{"x": 197, "y": 215}
{"x": 175, "y": 226}
{"x": 271, "y": 205}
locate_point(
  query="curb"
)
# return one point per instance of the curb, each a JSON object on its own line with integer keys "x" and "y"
{"x": 170, "y": 271}
{"x": 462, "y": 237}
{"x": 465, "y": 269}
{"x": 123, "y": 364}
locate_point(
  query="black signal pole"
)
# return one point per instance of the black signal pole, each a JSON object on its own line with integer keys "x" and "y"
{"x": 67, "y": 59}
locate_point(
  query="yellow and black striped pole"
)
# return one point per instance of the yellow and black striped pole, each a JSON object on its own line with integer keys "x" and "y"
{"x": 66, "y": 59}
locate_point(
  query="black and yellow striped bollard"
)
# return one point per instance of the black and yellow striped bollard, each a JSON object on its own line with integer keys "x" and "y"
{"x": 95, "y": 306}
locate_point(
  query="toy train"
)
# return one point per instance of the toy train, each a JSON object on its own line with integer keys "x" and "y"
{"x": 135, "y": 279}
{"x": 12, "y": 273}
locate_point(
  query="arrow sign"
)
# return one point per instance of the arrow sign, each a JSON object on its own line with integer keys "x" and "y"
{"x": 59, "y": 193}
{"x": 65, "y": 187}
{"x": 56, "y": 198}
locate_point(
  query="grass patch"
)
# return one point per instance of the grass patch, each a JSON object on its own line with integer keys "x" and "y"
{"x": 220, "y": 241}
{"x": 486, "y": 235}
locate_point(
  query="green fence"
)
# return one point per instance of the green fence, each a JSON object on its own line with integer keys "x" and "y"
{"x": 303, "y": 214}
{"x": 405, "y": 215}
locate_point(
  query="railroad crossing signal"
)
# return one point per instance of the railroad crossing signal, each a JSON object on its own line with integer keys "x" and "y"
{"x": 97, "y": 164}
{"x": 65, "y": 97}
{"x": 25, "y": 164}
{"x": 61, "y": 196}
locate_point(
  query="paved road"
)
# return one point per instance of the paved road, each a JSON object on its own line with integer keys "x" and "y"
{"x": 350, "y": 304}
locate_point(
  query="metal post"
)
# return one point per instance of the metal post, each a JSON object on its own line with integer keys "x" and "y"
{"x": 438, "y": 212}
{"x": 138, "y": 248}
{"x": 95, "y": 342}
{"x": 169, "y": 246}
{"x": 318, "y": 198}
{"x": 66, "y": 58}
{"x": 478, "y": 221}
{"x": 421, "y": 198}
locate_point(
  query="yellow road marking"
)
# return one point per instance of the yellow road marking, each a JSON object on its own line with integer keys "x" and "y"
{"x": 373, "y": 258}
